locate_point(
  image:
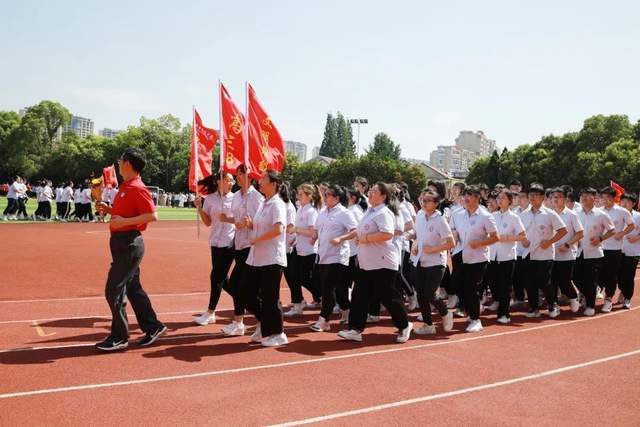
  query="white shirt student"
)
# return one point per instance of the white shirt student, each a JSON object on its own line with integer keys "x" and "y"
{"x": 221, "y": 233}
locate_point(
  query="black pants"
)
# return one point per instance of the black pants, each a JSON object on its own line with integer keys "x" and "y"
{"x": 379, "y": 285}
{"x": 350, "y": 276}
{"x": 457, "y": 277}
{"x": 627, "y": 275}
{"x": 221, "y": 259}
{"x": 60, "y": 209}
{"x": 537, "y": 275}
{"x": 127, "y": 250}
{"x": 291, "y": 274}
{"x": 503, "y": 282}
{"x": 12, "y": 207}
{"x": 334, "y": 287}
{"x": 261, "y": 297}
{"x": 22, "y": 207}
{"x": 306, "y": 267}
{"x": 427, "y": 281}
{"x": 87, "y": 211}
{"x": 46, "y": 212}
{"x": 561, "y": 275}
{"x": 519, "y": 279}
{"x": 489, "y": 280}
{"x": 405, "y": 278}
{"x": 609, "y": 271}
{"x": 584, "y": 275}
{"x": 472, "y": 278}
{"x": 238, "y": 277}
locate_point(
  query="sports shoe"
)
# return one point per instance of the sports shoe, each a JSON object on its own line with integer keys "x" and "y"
{"x": 460, "y": 313}
{"x": 626, "y": 304}
{"x": 336, "y": 309}
{"x": 313, "y": 304}
{"x": 403, "y": 335}
{"x": 425, "y": 330}
{"x": 297, "y": 309}
{"x": 205, "y": 318}
{"x": 554, "y": 312}
{"x": 151, "y": 336}
{"x": 321, "y": 325}
{"x": 474, "y": 326}
{"x": 533, "y": 314}
{"x": 504, "y": 320}
{"x": 351, "y": 335}
{"x": 620, "y": 299}
{"x": 447, "y": 321}
{"x": 234, "y": 329}
{"x": 413, "y": 302}
{"x": 257, "y": 334}
{"x": 275, "y": 340}
{"x": 111, "y": 344}
{"x": 599, "y": 293}
{"x": 344, "y": 317}
{"x": 453, "y": 301}
{"x": 574, "y": 304}
{"x": 494, "y": 306}
{"x": 517, "y": 303}
{"x": 419, "y": 317}
{"x": 589, "y": 311}
{"x": 607, "y": 306}
{"x": 372, "y": 319}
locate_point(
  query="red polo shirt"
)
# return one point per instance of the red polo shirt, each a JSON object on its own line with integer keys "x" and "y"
{"x": 133, "y": 199}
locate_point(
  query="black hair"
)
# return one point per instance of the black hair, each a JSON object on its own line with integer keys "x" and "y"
{"x": 560, "y": 190}
{"x": 493, "y": 195}
{"x": 136, "y": 158}
{"x": 589, "y": 190}
{"x": 313, "y": 192}
{"x": 483, "y": 186}
{"x": 362, "y": 181}
{"x": 609, "y": 191}
{"x": 515, "y": 182}
{"x": 360, "y": 201}
{"x": 499, "y": 187}
{"x": 547, "y": 192}
{"x": 461, "y": 185}
{"x": 536, "y": 187}
{"x": 276, "y": 177}
{"x": 630, "y": 196}
{"x": 241, "y": 169}
{"x": 211, "y": 182}
{"x": 338, "y": 192}
{"x": 429, "y": 193}
{"x": 284, "y": 191}
{"x": 568, "y": 191}
{"x": 390, "y": 197}
{"x": 472, "y": 190}
{"x": 510, "y": 194}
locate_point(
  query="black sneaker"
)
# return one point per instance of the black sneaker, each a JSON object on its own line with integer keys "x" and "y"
{"x": 152, "y": 336}
{"x": 111, "y": 344}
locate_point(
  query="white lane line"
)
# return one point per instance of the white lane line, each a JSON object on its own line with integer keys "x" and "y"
{"x": 105, "y": 317}
{"x": 299, "y": 362}
{"x": 459, "y": 391}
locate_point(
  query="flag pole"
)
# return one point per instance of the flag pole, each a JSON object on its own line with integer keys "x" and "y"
{"x": 246, "y": 138}
{"x": 196, "y": 164}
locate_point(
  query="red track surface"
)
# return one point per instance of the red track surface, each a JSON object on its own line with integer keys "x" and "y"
{"x": 50, "y": 373}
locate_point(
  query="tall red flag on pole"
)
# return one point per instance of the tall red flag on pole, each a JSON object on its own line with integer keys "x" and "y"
{"x": 232, "y": 126}
{"x": 203, "y": 141}
{"x": 266, "y": 146}
{"x": 619, "y": 190}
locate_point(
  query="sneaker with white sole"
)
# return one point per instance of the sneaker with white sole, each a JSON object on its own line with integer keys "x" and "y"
{"x": 533, "y": 314}
{"x": 453, "y": 301}
{"x": 574, "y": 304}
{"x": 626, "y": 304}
{"x": 297, "y": 309}
{"x": 321, "y": 325}
{"x": 257, "y": 334}
{"x": 275, "y": 340}
{"x": 447, "y": 321}
{"x": 111, "y": 344}
{"x": 351, "y": 335}
{"x": 607, "y": 306}
{"x": 344, "y": 317}
{"x": 474, "y": 326}
{"x": 599, "y": 293}
{"x": 589, "y": 311}
{"x": 336, "y": 309}
{"x": 504, "y": 320}
{"x": 425, "y": 330}
{"x": 205, "y": 318}
{"x": 313, "y": 304}
{"x": 413, "y": 302}
{"x": 234, "y": 329}
{"x": 372, "y": 319}
{"x": 403, "y": 335}
{"x": 151, "y": 336}
{"x": 460, "y": 313}
{"x": 554, "y": 312}
{"x": 494, "y": 306}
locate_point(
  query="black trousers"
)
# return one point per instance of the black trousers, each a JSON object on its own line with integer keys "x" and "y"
{"x": 291, "y": 274}
{"x": 609, "y": 271}
{"x": 457, "y": 277}
{"x": 503, "y": 282}
{"x": 627, "y": 275}
{"x": 127, "y": 250}
{"x": 60, "y": 208}
{"x": 561, "y": 275}
{"x": 261, "y": 297}
{"x": 352, "y": 271}
{"x": 306, "y": 267}
{"x": 472, "y": 278}
{"x": 22, "y": 206}
{"x": 584, "y": 275}
{"x": 12, "y": 207}
{"x": 537, "y": 275}
{"x": 376, "y": 284}
{"x": 519, "y": 279}
{"x": 221, "y": 259}
{"x": 87, "y": 211}
{"x": 334, "y": 287}
{"x": 404, "y": 280}
{"x": 489, "y": 280}
{"x": 238, "y": 277}
{"x": 427, "y": 281}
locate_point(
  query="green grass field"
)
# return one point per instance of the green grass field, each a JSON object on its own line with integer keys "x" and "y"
{"x": 165, "y": 214}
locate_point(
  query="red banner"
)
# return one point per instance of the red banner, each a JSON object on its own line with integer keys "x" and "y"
{"x": 233, "y": 123}
{"x": 109, "y": 177}
{"x": 203, "y": 141}
{"x": 266, "y": 147}
{"x": 619, "y": 191}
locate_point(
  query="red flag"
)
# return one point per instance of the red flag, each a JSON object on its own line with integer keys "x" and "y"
{"x": 233, "y": 123}
{"x": 110, "y": 179}
{"x": 266, "y": 147}
{"x": 619, "y": 191}
{"x": 203, "y": 140}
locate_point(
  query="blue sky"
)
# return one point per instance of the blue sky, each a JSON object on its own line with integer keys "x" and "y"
{"x": 418, "y": 70}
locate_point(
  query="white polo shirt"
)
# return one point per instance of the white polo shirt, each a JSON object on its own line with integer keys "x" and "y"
{"x": 596, "y": 223}
{"x": 573, "y": 225}
{"x": 331, "y": 223}
{"x": 59, "y": 191}
{"x": 220, "y": 233}
{"x": 430, "y": 231}
{"x": 409, "y": 207}
{"x": 632, "y": 249}
{"x": 508, "y": 223}
{"x": 86, "y": 196}
{"x": 374, "y": 256}
{"x": 621, "y": 219}
{"x": 455, "y": 221}
{"x": 541, "y": 225}
{"x": 13, "y": 191}
{"x": 67, "y": 195}
{"x": 291, "y": 220}
{"x": 46, "y": 194}
{"x": 242, "y": 206}
{"x": 306, "y": 217}
{"x": 476, "y": 226}
{"x": 404, "y": 217}
{"x": 521, "y": 251}
{"x": 272, "y": 251}
{"x": 357, "y": 213}
{"x": 77, "y": 195}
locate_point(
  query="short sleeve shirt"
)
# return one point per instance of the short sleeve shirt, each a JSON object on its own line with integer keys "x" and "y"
{"x": 476, "y": 226}
{"x": 291, "y": 219}
{"x": 573, "y": 225}
{"x": 242, "y": 206}
{"x": 306, "y": 217}
{"x": 220, "y": 233}
{"x": 379, "y": 255}
{"x": 628, "y": 248}
{"x": 430, "y": 231}
{"x": 508, "y": 223}
{"x": 331, "y": 223}
{"x": 272, "y": 251}
{"x": 621, "y": 219}
{"x": 133, "y": 199}
{"x": 541, "y": 225}
{"x": 357, "y": 213}
{"x": 596, "y": 223}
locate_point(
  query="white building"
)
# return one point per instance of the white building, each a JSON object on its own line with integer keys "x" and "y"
{"x": 81, "y": 126}
{"x": 456, "y": 160}
{"x": 109, "y": 133}
{"x": 315, "y": 152}
{"x": 477, "y": 142}
{"x": 297, "y": 148}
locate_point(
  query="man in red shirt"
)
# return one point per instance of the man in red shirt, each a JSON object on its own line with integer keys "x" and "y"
{"x": 132, "y": 210}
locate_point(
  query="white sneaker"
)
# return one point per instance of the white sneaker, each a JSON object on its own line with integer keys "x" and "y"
{"x": 460, "y": 313}
{"x": 589, "y": 311}
{"x": 626, "y": 304}
{"x": 344, "y": 317}
{"x": 336, "y": 309}
{"x": 372, "y": 319}
{"x": 206, "y": 318}
{"x": 313, "y": 305}
{"x": 413, "y": 302}
{"x": 504, "y": 320}
{"x": 419, "y": 317}
{"x": 233, "y": 329}
{"x": 599, "y": 293}
{"x": 574, "y": 304}
{"x": 474, "y": 326}
{"x": 533, "y": 314}
{"x": 296, "y": 310}
{"x": 555, "y": 312}
{"x": 275, "y": 340}
{"x": 453, "y": 301}
{"x": 321, "y": 325}
{"x": 607, "y": 306}
{"x": 257, "y": 334}
{"x": 425, "y": 330}
{"x": 494, "y": 306}
{"x": 351, "y": 335}
{"x": 447, "y": 321}
{"x": 404, "y": 334}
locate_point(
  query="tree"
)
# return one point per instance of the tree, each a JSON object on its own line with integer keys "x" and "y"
{"x": 53, "y": 116}
{"x": 330, "y": 146}
{"x": 344, "y": 134}
{"x": 384, "y": 147}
